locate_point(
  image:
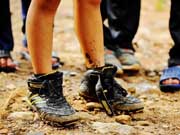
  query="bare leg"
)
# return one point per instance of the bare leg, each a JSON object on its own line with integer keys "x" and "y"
{"x": 88, "y": 25}
{"x": 40, "y": 33}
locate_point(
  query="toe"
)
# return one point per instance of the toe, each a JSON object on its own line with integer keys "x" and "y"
{"x": 3, "y": 62}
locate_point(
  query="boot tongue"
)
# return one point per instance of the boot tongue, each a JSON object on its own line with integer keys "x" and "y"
{"x": 109, "y": 71}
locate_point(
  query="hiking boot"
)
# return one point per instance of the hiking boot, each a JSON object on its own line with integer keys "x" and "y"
{"x": 46, "y": 97}
{"x": 127, "y": 59}
{"x": 101, "y": 81}
{"x": 110, "y": 58}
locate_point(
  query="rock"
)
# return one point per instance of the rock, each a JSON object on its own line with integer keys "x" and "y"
{"x": 123, "y": 119}
{"x": 165, "y": 126}
{"x": 21, "y": 116}
{"x": 143, "y": 123}
{"x": 151, "y": 73}
{"x": 92, "y": 105}
{"x": 73, "y": 73}
{"x": 113, "y": 128}
{"x": 4, "y": 131}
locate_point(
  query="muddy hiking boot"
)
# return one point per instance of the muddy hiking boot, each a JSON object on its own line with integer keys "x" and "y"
{"x": 99, "y": 85}
{"x": 46, "y": 97}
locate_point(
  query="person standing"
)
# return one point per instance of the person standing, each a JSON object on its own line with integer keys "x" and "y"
{"x": 170, "y": 79}
{"x": 45, "y": 86}
{"x": 123, "y": 21}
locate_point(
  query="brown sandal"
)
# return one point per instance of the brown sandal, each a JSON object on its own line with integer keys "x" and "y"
{"x": 6, "y": 55}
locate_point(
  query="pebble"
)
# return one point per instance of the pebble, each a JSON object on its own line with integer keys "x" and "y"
{"x": 123, "y": 119}
{"x": 73, "y": 73}
{"x": 4, "y": 131}
{"x": 151, "y": 73}
{"x": 165, "y": 126}
{"x": 92, "y": 105}
{"x": 113, "y": 128}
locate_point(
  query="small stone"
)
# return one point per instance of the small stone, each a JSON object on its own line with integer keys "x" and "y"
{"x": 92, "y": 105}
{"x": 165, "y": 126}
{"x": 21, "y": 116}
{"x": 4, "y": 131}
{"x": 11, "y": 86}
{"x": 143, "y": 123}
{"x": 113, "y": 128}
{"x": 151, "y": 73}
{"x": 123, "y": 119}
{"x": 73, "y": 73}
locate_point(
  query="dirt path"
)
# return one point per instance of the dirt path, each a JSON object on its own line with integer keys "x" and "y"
{"x": 161, "y": 115}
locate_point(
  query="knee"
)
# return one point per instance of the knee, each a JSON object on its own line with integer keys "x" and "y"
{"x": 49, "y": 6}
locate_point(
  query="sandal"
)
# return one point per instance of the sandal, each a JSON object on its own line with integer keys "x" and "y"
{"x": 25, "y": 55}
{"x": 8, "y": 68}
{"x": 171, "y": 72}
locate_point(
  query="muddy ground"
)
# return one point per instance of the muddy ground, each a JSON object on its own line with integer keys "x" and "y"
{"x": 161, "y": 115}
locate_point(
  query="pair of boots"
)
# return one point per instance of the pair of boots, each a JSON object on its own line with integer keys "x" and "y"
{"x": 46, "y": 95}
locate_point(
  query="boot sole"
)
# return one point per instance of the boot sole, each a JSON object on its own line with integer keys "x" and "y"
{"x": 129, "y": 108}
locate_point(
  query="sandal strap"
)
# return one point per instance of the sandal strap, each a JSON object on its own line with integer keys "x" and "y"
{"x": 171, "y": 72}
